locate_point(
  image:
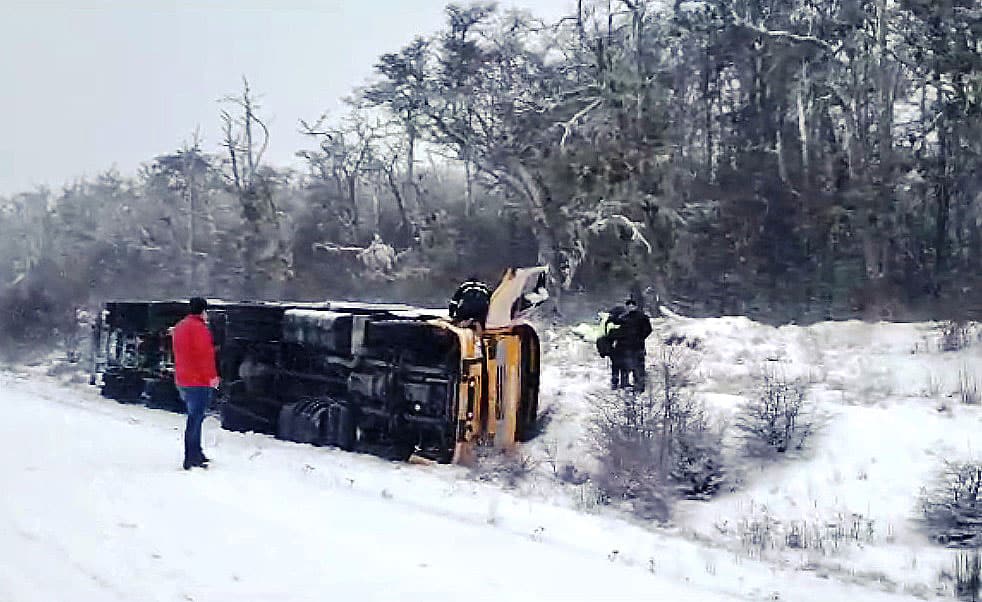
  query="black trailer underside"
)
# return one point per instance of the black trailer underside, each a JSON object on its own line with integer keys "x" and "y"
{"x": 376, "y": 378}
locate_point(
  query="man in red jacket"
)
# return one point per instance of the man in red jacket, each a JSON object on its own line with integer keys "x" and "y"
{"x": 195, "y": 376}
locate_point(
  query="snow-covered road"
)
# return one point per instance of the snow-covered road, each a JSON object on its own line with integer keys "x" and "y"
{"x": 95, "y": 506}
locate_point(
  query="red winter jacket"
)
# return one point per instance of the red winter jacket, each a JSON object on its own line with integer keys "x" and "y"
{"x": 194, "y": 353}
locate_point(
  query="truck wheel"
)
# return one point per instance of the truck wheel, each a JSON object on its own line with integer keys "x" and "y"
{"x": 235, "y": 418}
{"x": 284, "y": 424}
{"x": 329, "y": 425}
{"x": 346, "y": 426}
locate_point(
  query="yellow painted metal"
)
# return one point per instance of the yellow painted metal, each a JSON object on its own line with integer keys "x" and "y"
{"x": 503, "y": 299}
{"x": 487, "y": 413}
{"x": 489, "y": 422}
{"x": 468, "y": 391}
{"x": 510, "y": 390}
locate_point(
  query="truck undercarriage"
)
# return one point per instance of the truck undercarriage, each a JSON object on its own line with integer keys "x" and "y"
{"x": 391, "y": 380}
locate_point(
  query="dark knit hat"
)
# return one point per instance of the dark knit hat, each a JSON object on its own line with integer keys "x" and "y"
{"x": 198, "y": 305}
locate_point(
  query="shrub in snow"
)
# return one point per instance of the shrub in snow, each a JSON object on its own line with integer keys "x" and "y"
{"x": 697, "y": 469}
{"x": 660, "y": 445}
{"x": 933, "y": 387}
{"x": 675, "y": 340}
{"x": 630, "y": 455}
{"x": 508, "y": 469}
{"x": 567, "y": 472}
{"x": 968, "y": 575}
{"x": 762, "y": 533}
{"x": 968, "y": 388}
{"x": 776, "y": 419}
{"x": 692, "y": 445}
{"x": 952, "y": 506}
{"x": 955, "y": 335}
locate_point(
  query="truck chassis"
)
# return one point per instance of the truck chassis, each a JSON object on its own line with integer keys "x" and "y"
{"x": 391, "y": 380}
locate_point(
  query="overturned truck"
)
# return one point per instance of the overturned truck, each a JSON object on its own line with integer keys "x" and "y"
{"x": 392, "y": 380}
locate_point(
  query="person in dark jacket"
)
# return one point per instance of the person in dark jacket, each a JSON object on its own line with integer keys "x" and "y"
{"x": 627, "y": 355}
{"x": 195, "y": 375}
{"x": 470, "y": 302}
{"x": 608, "y": 325}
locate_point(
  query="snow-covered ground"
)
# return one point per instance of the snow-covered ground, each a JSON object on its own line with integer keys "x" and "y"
{"x": 890, "y": 413}
{"x": 95, "y": 505}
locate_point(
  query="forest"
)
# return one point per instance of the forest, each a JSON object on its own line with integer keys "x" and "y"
{"x": 789, "y": 160}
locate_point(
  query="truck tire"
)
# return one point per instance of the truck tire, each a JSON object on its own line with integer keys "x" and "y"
{"x": 237, "y": 418}
{"x": 346, "y": 428}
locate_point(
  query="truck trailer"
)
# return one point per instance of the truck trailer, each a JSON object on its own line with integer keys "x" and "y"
{"x": 388, "y": 379}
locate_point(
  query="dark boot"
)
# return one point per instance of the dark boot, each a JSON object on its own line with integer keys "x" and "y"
{"x": 201, "y": 463}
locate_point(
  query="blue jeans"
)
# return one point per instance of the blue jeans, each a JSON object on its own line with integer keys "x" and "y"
{"x": 196, "y": 399}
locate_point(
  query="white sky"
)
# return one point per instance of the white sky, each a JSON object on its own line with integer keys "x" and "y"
{"x": 85, "y": 86}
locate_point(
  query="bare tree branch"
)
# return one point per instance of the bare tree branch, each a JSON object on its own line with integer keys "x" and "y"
{"x": 568, "y": 126}
{"x": 778, "y": 33}
{"x": 231, "y": 143}
{"x": 634, "y": 227}
{"x": 262, "y": 149}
